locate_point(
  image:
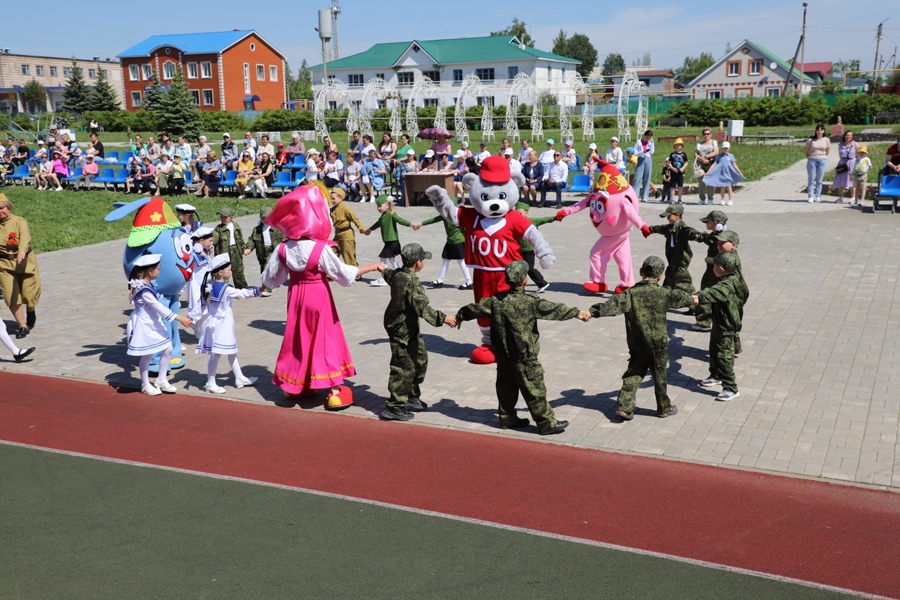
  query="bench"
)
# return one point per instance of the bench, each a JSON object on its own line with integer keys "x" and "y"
{"x": 673, "y": 122}
{"x": 886, "y": 117}
{"x": 765, "y": 136}
{"x": 274, "y": 136}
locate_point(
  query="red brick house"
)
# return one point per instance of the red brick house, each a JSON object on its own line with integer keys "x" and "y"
{"x": 227, "y": 70}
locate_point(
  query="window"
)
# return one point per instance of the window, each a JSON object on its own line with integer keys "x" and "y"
{"x": 136, "y": 100}
{"x": 208, "y": 99}
{"x": 549, "y": 73}
{"x": 195, "y": 96}
{"x": 252, "y": 47}
{"x": 435, "y": 76}
{"x": 380, "y": 103}
{"x": 332, "y": 105}
{"x": 246, "y": 78}
{"x": 429, "y": 102}
{"x": 148, "y": 72}
{"x": 756, "y": 67}
{"x": 773, "y": 92}
{"x": 355, "y": 80}
{"x": 406, "y": 78}
{"x": 713, "y": 94}
{"x": 67, "y": 71}
{"x": 134, "y": 73}
{"x": 486, "y": 75}
{"x": 92, "y": 73}
{"x": 39, "y": 70}
{"x": 103, "y": 73}
{"x": 511, "y": 72}
{"x": 26, "y": 69}
{"x": 54, "y": 71}
{"x": 206, "y": 70}
{"x": 192, "y": 71}
{"x": 457, "y": 77}
{"x": 168, "y": 70}
{"x": 734, "y": 68}
{"x": 260, "y": 72}
{"x": 380, "y": 75}
{"x": 485, "y": 100}
{"x": 273, "y": 73}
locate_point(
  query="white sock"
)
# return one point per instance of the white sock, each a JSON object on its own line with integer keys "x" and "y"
{"x": 164, "y": 364}
{"x": 7, "y": 341}
{"x": 465, "y": 270}
{"x": 235, "y": 367}
{"x": 444, "y": 266}
{"x": 395, "y": 262}
{"x": 144, "y": 370}
{"x": 211, "y": 367}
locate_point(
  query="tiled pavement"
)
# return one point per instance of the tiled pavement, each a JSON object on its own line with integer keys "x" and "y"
{"x": 818, "y": 377}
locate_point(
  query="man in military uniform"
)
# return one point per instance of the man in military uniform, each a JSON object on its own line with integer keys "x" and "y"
{"x": 409, "y": 358}
{"x": 264, "y": 239}
{"x": 228, "y": 239}
{"x": 715, "y": 224}
{"x": 678, "y": 248}
{"x": 515, "y": 339}
{"x": 644, "y": 307}
{"x": 725, "y": 298}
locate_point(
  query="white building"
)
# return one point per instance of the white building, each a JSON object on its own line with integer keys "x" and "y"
{"x": 495, "y": 60}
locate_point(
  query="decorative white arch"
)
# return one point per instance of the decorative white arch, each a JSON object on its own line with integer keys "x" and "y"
{"x": 338, "y": 91}
{"x": 423, "y": 87}
{"x": 574, "y": 86}
{"x": 631, "y": 85}
{"x": 472, "y": 86}
{"x": 522, "y": 86}
{"x": 374, "y": 89}
{"x": 395, "y": 123}
{"x": 537, "y": 118}
{"x": 487, "y": 120}
{"x": 352, "y": 119}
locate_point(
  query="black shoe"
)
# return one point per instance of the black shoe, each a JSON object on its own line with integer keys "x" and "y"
{"x": 558, "y": 428}
{"x": 21, "y": 333}
{"x": 467, "y": 286}
{"x": 416, "y": 405}
{"x": 23, "y": 354}
{"x": 517, "y": 424}
{"x": 672, "y": 411}
{"x": 437, "y": 284}
{"x": 30, "y": 319}
{"x": 389, "y": 415}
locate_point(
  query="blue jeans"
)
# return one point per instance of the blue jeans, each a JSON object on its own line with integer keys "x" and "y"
{"x": 815, "y": 171}
{"x": 642, "y": 177}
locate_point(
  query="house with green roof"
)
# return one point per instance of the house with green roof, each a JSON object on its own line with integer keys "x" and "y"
{"x": 749, "y": 70}
{"x": 495, "y": 60}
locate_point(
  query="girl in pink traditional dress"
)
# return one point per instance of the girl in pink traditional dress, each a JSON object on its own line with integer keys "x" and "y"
{"x": 314, "y": 353}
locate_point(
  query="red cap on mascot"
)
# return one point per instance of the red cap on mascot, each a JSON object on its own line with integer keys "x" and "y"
{"x": 609, "y": 179}
{"x": 495, "y": 169}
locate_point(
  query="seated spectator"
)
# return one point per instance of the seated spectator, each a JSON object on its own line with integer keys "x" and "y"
{"x": 251, "y": 141}
{"x": 22, "y": 154}
{"x": 248, "y": 147}
{"x": 514, "y": 165}
{"x": 373, "y": 172}
{"x": 138, "y": 148}
{"x": 183, "y": 149}
{"x": 134, "y": 171}
{"x": 404, "y": 147}
{"x": 153, "y": 150}
{"x": 88, "y": 172}
{"x": 461, "y": 169}
{"x": 328, "y": 146}
{"x": 199, "y": 160}
{"x": 169, "y": 149}
{"x": 5, "y": 169}
{"x": 164, "y": 173}
{"x": 429, "y": 162}
{"x": 212, "y": 175}
{"x": 465, "y": 148}
{"x": 483, "y": 153}
{"x": 229, "y": 153}
{"x": 569, "y": 156}
{"x": 356, "y": 144}
{"x": 295, "y": 147}
{"x": 45, "y": 177}
{"x": 145, "y": 180}
{"x": 892, "y": 159}
{"x": 445, "y": 165}
{"x": 352, "y": 174}
{"x": 590, "y": 164}
{"x": 368, "y": 145}
{"x": 261, "y": 177}
{"x": 533, "y": 171}
{"x": 555, "y": 179}
{"x": 60, "y": 169}
{"x": 524, "y": 151}
{"x": 312, "y": 165}
{"x": 265, "y": 146}
{"x": 176, "y": 178}
{"x": 441, "y": 145}
{"x": 333, "y": 171}
{"x": 97, "y": 146}
{"x": 40, "y": 153}
{"x": 281, "y": 157}
{"x": 244, "y": 168}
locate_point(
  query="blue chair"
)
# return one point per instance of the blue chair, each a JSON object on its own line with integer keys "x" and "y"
{"x": 188, "y": 178}
{"x": 120, "y": 178}
{"x": 888, "y": 188}
{"x": 228, "y": 180}
{"x": 284, "y": 181}
{"x": 580, "y": 183}
{"x": 21, "y": 174}
{"x": 114, "y": 155}
{"x": 78, "y": 171}
{"x": 126, "y": 158}
{"x": 107, "y": 176}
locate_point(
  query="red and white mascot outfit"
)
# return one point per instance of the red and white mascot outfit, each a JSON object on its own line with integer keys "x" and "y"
{"x": 614, "y": 212}
{"x": 491, "y": 228}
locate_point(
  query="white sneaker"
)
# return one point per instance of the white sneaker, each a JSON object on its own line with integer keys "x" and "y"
{"x": 710, "y": 383}
{"x": 810, "y": 199}
{"x": 214, "y": 389}
{"x": 151, "y": 390}
{"x": 165, "y": 387}
{"x": 818, "y": 198}
{"x": 722, "y": 202}
{"x": 245, "y": 382}
{"x": 59, "y": 189}
{"x": 727, "y": 395}
{"x": 543, "y": 288}
{"x": 266, "y": 294}
{"x": 378, "y": 283}
{"x": 729, "y": 203}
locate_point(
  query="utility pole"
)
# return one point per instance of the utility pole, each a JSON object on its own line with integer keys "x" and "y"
{"x": 802, "y": 52}
{"x": 878, "y": 37}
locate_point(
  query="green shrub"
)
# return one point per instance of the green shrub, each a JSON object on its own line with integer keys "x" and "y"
{"x": 4, "y": 121}
{"x": 284, "y": 120}
{"x": 855, "y": 109}
{"x": 755, "y": 112}
{"x": 112, "y": 120}
{"x": 221, "y": 120}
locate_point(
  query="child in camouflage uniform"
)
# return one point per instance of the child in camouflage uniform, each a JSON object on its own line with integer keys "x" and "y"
{"x": 715, "y": 224}
{"x": 228, "y": 239}
{"x": 528, "y": 251}
{"x": 516, "y": 344}
{"x": 727, "y": 241}
{"x": 725, "y": 298}
{"x": 409, "y": 358}
{"x": 264, "y": 239}
{"x": 678, "y": 249}
{"x": 644, "y": 307}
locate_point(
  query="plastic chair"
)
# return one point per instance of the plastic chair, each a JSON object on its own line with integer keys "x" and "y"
{"x": 126, "y": 158}
{"x": 228, "y": 180}
{"x": 285, "y": 178}
{"x": 114, "y": 155}
{"x": 580, "y": 183}
{"x": 120, "y": 178}
{"x": 21, "y": 174}
{"x": 78, "y": 171}
{"x": 107, "y": 176}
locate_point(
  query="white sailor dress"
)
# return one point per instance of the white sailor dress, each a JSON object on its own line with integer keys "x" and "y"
{"x": 218, "y": 331}
{"x": 147, "y": 332}
{"x": 201, "y": 268}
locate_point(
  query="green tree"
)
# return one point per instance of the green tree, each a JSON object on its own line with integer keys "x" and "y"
{"x": 518, "y": 29}
{"x": 894, "y": 78}
{"x": 840, "y": 66}
{"x": 303, "y": 85}
{"x": 693, "y": 66}
{"x": 175, "y": 110}
{"x": 104, "y": 97}
{"x": 579, "y": 47}
{"x": 560, "y": 44}
{"x": 153, "y": 94}
{"x": 612, "y": 64}
{"x": 76, "y": 98}
{"x": 35, "y": 96}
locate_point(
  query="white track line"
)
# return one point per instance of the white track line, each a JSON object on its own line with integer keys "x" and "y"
{"x": 431, "y": 513}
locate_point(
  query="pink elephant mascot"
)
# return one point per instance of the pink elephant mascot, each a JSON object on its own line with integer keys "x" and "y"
{"x": 614, "y": 212}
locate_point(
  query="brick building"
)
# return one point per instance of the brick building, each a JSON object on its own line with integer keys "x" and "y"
{"x": 227, "y": 70}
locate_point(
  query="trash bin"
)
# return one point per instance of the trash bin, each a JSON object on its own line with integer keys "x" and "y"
{"x": 868, "y": 120}
{"x": 477, "y": 126}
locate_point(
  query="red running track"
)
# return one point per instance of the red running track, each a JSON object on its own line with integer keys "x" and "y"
{"x": 830, "y": 534}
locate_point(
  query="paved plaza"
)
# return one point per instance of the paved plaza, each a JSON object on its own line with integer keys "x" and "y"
{"x": 818, "y": 376}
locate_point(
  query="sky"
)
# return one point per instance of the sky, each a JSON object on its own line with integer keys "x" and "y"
{"x": 669, "y": 31}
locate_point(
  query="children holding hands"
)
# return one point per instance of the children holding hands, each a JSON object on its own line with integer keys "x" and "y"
{"x": 387, "y": 222}
{"x": 343, "y": 218}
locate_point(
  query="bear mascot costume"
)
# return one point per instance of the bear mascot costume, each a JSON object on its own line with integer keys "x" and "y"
{"x": 614, "y": 212}
{"x": 491, "y": 228}
{"x": 156, "y": 230}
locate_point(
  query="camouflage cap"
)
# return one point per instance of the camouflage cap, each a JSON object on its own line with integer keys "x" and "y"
{"x": 717, "y": 215}
{"x": 728, "y": 236}
{"x": 412, "y": 253}
{"x": 226, "y": 211}
{"x": 726, "y": 260}
{"x": 522, "y": 206}
{"x": 516, "y": 272}
{"x": 264, "y": 212}
{"x": 653, "y": 266}
{"x": 673, "y": 209}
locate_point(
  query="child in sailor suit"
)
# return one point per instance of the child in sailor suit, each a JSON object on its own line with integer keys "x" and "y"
{"x": 204, "y": 239}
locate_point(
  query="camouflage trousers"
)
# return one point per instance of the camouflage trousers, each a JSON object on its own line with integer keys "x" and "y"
{"x": 237, "y": 267}
{"x": 721, "y": 358}
{"x": 526, "y": 377}
{"x": 704, "y": 311}
{"x": 679, "y": 279}
{"x": 409, "y": 362}
{"x": 639, "y": 362}
{"x": 267, "y": 254}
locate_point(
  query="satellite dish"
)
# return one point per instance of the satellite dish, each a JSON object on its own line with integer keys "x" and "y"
{"x": 772, "y": 65}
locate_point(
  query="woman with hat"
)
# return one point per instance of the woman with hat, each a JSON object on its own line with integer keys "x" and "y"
{"x": 20, "y": 279}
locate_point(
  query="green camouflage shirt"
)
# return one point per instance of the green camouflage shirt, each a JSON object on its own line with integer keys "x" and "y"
{"x": 514, "y": 316}
{"x": 644, "y": 307}
{"x": 222, "y": 238}
{"x": 678, "y": 246}
{"x": 258, "y": 243}
{"x": 727, "y": 299}
{"x": 408, "y": 303}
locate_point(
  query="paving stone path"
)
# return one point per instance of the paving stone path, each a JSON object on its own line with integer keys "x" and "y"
{"x": 818, "y": 377}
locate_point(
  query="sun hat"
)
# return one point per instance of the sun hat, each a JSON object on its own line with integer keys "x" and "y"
{"x": 726, "y": 144}
{"x": 862, "y": 149}
{"x": 593, "y": 146}
{"x": 459, "y": 153}
{"x": 678, "y": 142}
{"x": 508, "y": 152}
{"x": 429, "y": 153}
{"x": 614, "y": 139}
{"x": 569, "y": 142}
{"x": 410, "y": 152}
{"x": 550, "y": 141}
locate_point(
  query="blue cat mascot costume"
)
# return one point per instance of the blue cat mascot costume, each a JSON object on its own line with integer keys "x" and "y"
{"x": 156, "y": 230}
